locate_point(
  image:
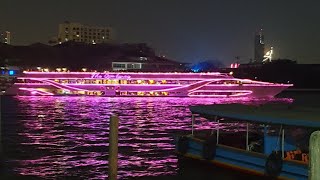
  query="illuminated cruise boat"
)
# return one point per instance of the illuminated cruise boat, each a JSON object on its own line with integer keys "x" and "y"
{"x": 141, "y": 84}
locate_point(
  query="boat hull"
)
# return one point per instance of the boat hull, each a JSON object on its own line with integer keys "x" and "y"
{"x": 242, "y": 160}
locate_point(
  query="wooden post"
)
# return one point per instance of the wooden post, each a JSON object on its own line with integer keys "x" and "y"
{"x": 247, "y": 137}
{"x": 113, "y": 148}
{"x": 192, "y": 124}
{"x": 0, "y": 129}
{"x": 218, "y": 131}
{"x": 314, "y": 155}
{"x": 282, "y": 144}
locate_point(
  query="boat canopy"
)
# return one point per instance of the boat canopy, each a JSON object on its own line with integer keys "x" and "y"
{"x": 283, "y": 114}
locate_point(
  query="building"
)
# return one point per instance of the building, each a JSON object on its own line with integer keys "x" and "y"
{"x": 5, "y": 37}
{"x": 147, "y": 64}
{"x": 77, "y": 32}
{"x": 259, "y": 47}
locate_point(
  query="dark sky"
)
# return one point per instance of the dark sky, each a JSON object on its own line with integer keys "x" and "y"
{"x": 186, "y": 30}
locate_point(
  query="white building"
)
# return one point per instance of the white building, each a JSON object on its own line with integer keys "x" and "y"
{"x": 77, "y": 32}
{"x": 5, "y": 37}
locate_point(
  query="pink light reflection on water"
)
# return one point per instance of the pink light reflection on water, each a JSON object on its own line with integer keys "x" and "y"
{"x": 68, "y": 136}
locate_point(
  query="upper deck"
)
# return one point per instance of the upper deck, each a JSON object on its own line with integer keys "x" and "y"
{"x": 124, "y": 75}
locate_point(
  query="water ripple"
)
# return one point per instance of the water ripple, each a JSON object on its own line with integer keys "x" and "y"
{"x": 60, "y": 137}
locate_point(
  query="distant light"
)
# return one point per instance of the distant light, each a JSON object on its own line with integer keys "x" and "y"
{"x": 64, "y": 69}
{"x": 11, "y": 72}
{"x": 46, "y": 70}
{"x": 84, "y": 69}
{"x": 231, "y": 73}
{"x": 39, "y": 68}
{"x": 58, "y": 69}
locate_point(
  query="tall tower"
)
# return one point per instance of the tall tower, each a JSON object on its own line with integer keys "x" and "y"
{"x": 259, "y": 47}
{"x": 5, "y": 37}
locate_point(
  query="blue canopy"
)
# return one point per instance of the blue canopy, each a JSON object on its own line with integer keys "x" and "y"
{"x": 266, "y": 114}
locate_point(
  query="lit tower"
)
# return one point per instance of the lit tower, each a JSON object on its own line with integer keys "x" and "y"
{"x": 259, "y": 47}
{"x": 5, "y": 37}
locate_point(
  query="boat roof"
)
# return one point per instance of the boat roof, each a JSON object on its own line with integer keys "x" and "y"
{"x": 265, "y": 114}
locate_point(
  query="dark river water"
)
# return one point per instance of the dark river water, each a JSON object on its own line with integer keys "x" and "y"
{"x": 65, "y": 137}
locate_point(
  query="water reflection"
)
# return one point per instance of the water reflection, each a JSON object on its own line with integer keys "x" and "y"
{"x": 56, "y": 137}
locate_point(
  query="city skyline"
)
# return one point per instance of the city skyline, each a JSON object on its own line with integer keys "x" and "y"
{"x": 186, "y": 31}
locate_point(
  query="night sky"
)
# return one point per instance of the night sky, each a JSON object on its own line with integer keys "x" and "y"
{"x": 186, "y": 30}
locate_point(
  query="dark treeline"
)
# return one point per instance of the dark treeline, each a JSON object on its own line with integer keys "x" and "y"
{"x": 73, "y": 55}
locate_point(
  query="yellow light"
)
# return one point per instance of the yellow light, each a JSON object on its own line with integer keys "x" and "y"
{"x": 139, "y": 81}
{"x": 231, "y": 73}
{"x": 46, "y": 70}
{"x": 84, "y": 69}
{"x": 64, "y": 69}
{"x": 151, "y": 81}
{"x": 82, "y": 92}
{"x": 164, "y": 81}
{"x": 58, "y": 69}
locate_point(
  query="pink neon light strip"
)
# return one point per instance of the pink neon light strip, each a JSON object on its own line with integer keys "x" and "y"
{"x": 58, "y": 85}
{"x": 36, "y": 91}
{"x": 183, "y": 87}
{"x": 235, "y": 95}
{"x": 134, "y": 78}
{"x": 243, "y": 91}
{"x": 154, "y": 73}
{"x": 215, "y": 85}
{"x": 239, "y": 93}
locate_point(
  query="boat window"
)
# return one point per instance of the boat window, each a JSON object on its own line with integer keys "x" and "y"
{"x": 296, "y": 142}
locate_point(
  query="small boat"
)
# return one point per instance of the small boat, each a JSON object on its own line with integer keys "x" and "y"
{"x": 274, "y": 141}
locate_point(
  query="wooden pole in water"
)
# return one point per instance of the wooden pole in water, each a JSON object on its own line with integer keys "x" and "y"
{"x": 113, "y": 148}
{"x": 247, "y": 137}
{"x": 192, "y": 124}
{"x": 314, "y": 155}
{"x": 0, "y": 129}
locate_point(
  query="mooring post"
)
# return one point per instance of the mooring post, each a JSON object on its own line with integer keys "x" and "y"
{"x": 0, "y": 130}
{"x": 1, "y": 150}
{"x": 113, "y": 147}
{"x": 192, "y": 124}
{"x": 314, "y": 155}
